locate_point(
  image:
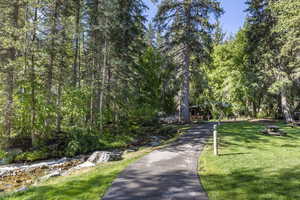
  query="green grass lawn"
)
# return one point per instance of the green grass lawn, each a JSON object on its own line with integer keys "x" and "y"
{"x": 252, "y": 165}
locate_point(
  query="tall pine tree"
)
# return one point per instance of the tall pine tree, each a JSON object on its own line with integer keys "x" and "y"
{"x": 186, "y": 26}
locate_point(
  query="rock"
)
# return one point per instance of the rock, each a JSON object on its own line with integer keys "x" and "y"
{"x": 96, "y": 158}
{"x": 155, "y": 138}
{"x": 2, "y": 162}
{"x": 22, "y": 189}
{"x": 115, "y": 156}
{"x": 81, "y": 158}
{"x": 104, "y": 156}
{"x": 135, "y": 142}
{"x": 99, "y": 156}
{"x": 53, "y": 174}
{"x": 154, "y": 143}
{"x": 85, "y": 165}
{"x": 1, "y": 190}
{"x": 2, "y": 173}
{"x": 131, "y": 149}
{"x": 8, "y": 185}
{"x": 62, "y": 160}
{"x": 169, "y": 120}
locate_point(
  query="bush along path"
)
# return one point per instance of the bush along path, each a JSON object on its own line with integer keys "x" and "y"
{"x": 169, "y": 173}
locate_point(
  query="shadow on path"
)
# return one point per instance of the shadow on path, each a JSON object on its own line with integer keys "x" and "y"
{"x": 166, "y": 174}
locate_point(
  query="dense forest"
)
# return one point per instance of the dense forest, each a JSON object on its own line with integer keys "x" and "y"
{"x": 74, "y": 71}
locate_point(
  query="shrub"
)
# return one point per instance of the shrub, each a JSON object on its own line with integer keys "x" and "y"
{"x": 31, "y": 156}
{"x": 2, "y": 154}
{"x": 82, "y": 141}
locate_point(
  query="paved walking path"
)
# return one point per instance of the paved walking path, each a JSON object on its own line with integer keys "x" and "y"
{"x": 166, "y": 174}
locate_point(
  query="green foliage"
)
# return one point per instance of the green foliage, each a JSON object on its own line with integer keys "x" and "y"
{"x": 186, "y": 27}
{"x": 82, "y": 141}
{"x": 2, "y": 154}
{"x": 229, "y": 78}
{"x": 188, "y": 23}
{"x": 31, "y": 156}
{"x": 156, "y": 88}
{"x": 77, "y": 76}
{"x": 250, "y": 71}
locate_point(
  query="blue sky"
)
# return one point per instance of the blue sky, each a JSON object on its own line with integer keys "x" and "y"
{"x": 232, "y": 19}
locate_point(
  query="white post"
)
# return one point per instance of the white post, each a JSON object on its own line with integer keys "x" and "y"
{"x": 215, "y": 140}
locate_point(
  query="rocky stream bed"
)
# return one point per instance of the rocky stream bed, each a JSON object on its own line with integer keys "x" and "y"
{"x": 17, "y": 177}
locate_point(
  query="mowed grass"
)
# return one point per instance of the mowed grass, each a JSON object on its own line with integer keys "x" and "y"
{"x": 252, "y": 165}
{"x": 88, "y": 184}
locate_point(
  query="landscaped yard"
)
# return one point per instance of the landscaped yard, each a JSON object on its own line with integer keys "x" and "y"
{"x": 252, "y": 165}
{"x": 90, "y": 184}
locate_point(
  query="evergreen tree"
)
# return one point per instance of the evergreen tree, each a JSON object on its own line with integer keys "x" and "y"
{"x": 186, "y": 27}
{"x": 287, "y": 37}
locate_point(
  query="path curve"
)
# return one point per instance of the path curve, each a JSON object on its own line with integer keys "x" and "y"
{"x": 169, "y": 173}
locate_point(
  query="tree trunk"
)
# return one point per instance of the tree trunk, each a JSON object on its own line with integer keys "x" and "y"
{"x": 33, "y": 79}
{"x": 9, "y": 88}
{"x": 103, "y": 76}
{"x": 49, "y": 78}
{"x": 286, "y": 109}
{"x": 102, "y": 92}
{"x": 185, "y": 111}
{"x": 59, "y": 95}
{"x": 8, "y": 110}
{"x": 77, "y": 43}
{"x": 254, "y": 108}
{"x": 185, "y": 106}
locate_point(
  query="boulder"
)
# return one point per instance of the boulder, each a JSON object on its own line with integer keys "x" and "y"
{"x": 84, "y": 165}
{"x": 96, "y": 158}
{"x": 154, "y": 143}
{"x": 131, "y": 149}
{"x": 104, "y": 156}
{"x": 99, "y": 157}
{"x": 2, "y": 173}
{"x": 169, "y": 120}
{"x": 155, "y": 138}
{"x": 52, "y": 174}
{"x": 2, "y": 162}
{"x": 22, "y": 189}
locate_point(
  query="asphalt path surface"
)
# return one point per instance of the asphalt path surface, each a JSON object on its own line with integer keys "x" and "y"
{"x": 169, "y": 173}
